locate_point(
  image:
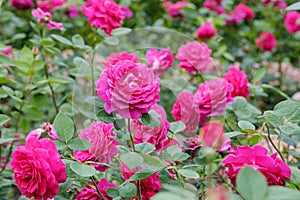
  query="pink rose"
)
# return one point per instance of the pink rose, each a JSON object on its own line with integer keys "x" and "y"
{"x": 22, "y": 5}
{"x": 240, "y": 13}
{"x": 38, "y": 169}
{"x": 128, "y": 88}
{"x": 214, "y": 5}
{"x": 279, "y": 4}
{"x": 174, "y": 9}
{"x": 103, "y": 148}
{"x": 291, "y": 21}
{"x": 170, "y": 142}
{"x": 49, "y": 5}
{"x": 89, "y": 193}
{"x": 126, "y": 12}
{"x": 72, "y": 12}
{"x": 45, "y": 19}
{"x": 226, "y": 145}
{"x": 212, "y": 97}
{"x": 238, "y": 80}
{"x": 49, "y": 128}
{"x": 192, "y": 143}
{"x": 194, "y": 57}
{"x": 113, "y": 58}
{"x": 105, "y": 14}
{"x": 149, "y": 186}
{"x": 35, "y": 134}
{"x": 212, "y": 134}
{"x": 275, "y": 170}
{"x": 156, "y": 135}
{"x": 7, "y": 50}
{"x": 266, "y": 41}
{"x": 206, "y": 31}
{"x": 183, "y": 110}
{"x": 160, "y": 61}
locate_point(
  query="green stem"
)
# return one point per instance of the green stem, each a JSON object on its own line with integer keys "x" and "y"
{"x": 269, "y": 137}
{"x": 97, "y": 189}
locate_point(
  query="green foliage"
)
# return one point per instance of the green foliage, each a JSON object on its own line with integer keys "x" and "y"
{"x": 64, "y": 127}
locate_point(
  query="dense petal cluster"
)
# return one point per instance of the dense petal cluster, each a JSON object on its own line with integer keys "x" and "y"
{"x": 291, "y": 22}
{"x": 38, "y": 168}
{"x": 174, "y": 9}
{"x": 212, "y": 97}
{"x": 194, "y": 57}
{"x": 45, "y": 19}
{"x": 113, "y": 58}
{"x": 160, "y": 61}
{"x": 128, "y": 88}
{"x": 105, "y": 14}
{"x": 275, "y": 170}
{"x": 266, "y": 41}
{"x": 183, "y": 110}
{"x": 240, "y": 13}
{"x": 89, "y": 193}
{"x": 238, "y": 80}
{"x": 154, "y": 135}
{"x": 214, "y": 5}
{"x": 49, "y": 5}
{"x": 22, "y": 5}
{"x": 103, "y": 148}
{"x": 206, "y": 31}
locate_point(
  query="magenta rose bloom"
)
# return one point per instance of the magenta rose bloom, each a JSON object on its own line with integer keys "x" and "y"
{"x": 49, "y": 5}
{"x": 212, "y": 97}
{"x": 174, "y": 9}
{"x": 72, "y": 11}
{"x": 156, "y": 135}
{"x": 160, "y": 61}
{"x": 103, "y": 148}
{"x": 183, "y": 110}
{"x": 113, "y": 58}
{"x": 45, "y": 19}
{"x": 240, "y": 13}
{"x": 206, "y": 31}
{"x": 21, "y": 5}
{"x": 275, "y": 170}
{"x": 194, "y": 57}
{"x": 105, "y": 14}
{"x": 291, "y": 22}
{"x": 279, "y": 4}
{"x": 128, "y": 88}
{"x": 238, "y": 80}
{"x": 126, "y": 12}
{"x": 38, "y": 169}
{"x": 7, "y": 50}
{"x": 266, "y": 41}
{"x": 214, "y": 5}
{"x": 89, "y": 193}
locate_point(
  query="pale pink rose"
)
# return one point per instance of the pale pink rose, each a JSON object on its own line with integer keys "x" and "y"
{"x": 194, "y": 57}
{"x": 212, "y": 135}
{"x": 206, "y": 31}
{"x": 214, "y": 5}
{"x": 128, "y": 88}
{"x": 275, "y": 170}
{"x": 38, "y": 169}
{"x": 156, "y": 135}
{"x": 183, "y": 110}
{"x": 49, "y": 5}
{"x": 126, "y": 12}
{"x": 291, "y": 22}
{"x": 7, "y": 50}
{"x": 105, "y": 14}
{"x": 174, "y": 10}
{"x": 240, "y": 13}
{"x": 212, "y": 97}
{"x": 149, "y": 186}
{"x": 113, "y": 58}
{"x": 266, "y": 41}
{"x": 160, "y": 61}
{"x": 238, "y": 80}
{"x": 72, "y": 12}
{"x": 22, "y": 5}
{"x": 279, "y": 4}
{"x": 103, "y": 148}
{"x": 89, "y": 193}
{"x": 45, "y": 19}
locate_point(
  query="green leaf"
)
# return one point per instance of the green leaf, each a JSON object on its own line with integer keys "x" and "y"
{"x": 180, "y": 156}
{"x": 66, "y": 185}
{"x": 6, "y": 60}
{"x": 177, "y": 127}
{"x": 26, "y": 55}
{"x": 232, "y": 134}
{"x": 62, "y": 39}
{"x": 3, "y": 119}
{"x": 282, "y": 193}
{"x": 286, "y": 107}
{"x": 127, "y": 190}
{"x": 80, "y": 62}
{"x": 140, "y": 175}
{"x": 112, "y": 192}
{"x": 172, "y": 150}
{"x": 251, "y": 184}
{"x": 104, "y": 116}
{"x": 113, "y": 41}
{"x": 5, "y": 140}
{"x": 151, "y": 163}
{"x": 38, "y": 65}
{"x": 150, "y": 119}
{"x": 145, "y": 147}
{"x": 3, "y": 72}
{"x": 295, "y": 6}
{"x": 59, "y": 145}
{"x": 245, "y": 125}
{"x": 47, "y": 42}
{"x": 79, "y": 144}
{"x": 121, "y": 31}
{"x": 132, "y": 159}
{"x": 259, "y": 74}
{"x": 64, "y": 127}
{"x": 188, "y": 173}
{"x": 295, "y": 177}
{"x": 78, "y": 40}
{"x": 33, "y": 113}
{"x": 83, "y": 170}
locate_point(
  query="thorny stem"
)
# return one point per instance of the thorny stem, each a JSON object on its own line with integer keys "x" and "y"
{"x": 269, "y": 137}
{"x": 97, "y": 189}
